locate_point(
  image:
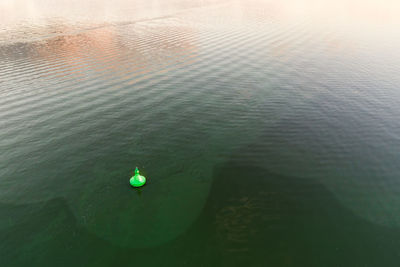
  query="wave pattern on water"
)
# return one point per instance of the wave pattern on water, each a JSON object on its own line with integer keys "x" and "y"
{"x": 177, "y": 93}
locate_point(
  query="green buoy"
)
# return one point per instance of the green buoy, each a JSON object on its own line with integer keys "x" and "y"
{"x": 137, "y": 180}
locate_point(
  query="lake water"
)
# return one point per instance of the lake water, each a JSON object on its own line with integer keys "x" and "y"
{"x": 269, "y": 132}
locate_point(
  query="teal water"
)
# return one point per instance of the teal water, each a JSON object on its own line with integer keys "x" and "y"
{"x": 268, "y": 132}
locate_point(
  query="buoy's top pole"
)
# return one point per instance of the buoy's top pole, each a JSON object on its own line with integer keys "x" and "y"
{"x": 136, "y": 170}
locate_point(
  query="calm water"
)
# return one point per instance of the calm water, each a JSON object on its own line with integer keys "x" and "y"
{"x": 269, "y": 132}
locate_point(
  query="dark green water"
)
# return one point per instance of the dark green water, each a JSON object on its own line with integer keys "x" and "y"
{"x": 268, "y": 132}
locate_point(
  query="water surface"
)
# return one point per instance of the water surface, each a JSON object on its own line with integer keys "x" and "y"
{"x": 268, "y": 131}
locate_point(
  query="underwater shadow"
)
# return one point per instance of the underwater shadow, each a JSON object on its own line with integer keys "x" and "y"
{"x": 252, "y": 217}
